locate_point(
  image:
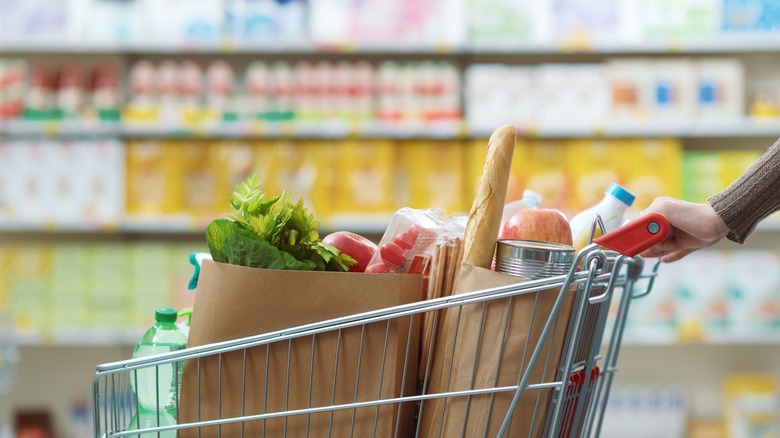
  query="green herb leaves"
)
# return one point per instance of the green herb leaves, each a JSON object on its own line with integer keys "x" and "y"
{"x": 271, "y": 234}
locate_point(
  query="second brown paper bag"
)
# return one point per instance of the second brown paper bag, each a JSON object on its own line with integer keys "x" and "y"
{"x": 314, "y": 371}
{"x": 470, "y": 352}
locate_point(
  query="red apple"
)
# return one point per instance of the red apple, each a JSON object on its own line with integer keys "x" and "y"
{"x": 353, "y": 245}
{"x": 540, "y": 224}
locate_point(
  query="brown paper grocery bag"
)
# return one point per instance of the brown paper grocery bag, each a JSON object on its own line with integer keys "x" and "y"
{"x": 315, "y": 371}
{"x": 485, "y": 359}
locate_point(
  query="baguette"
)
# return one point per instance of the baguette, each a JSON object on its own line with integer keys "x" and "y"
{"x": 485, "y": 216}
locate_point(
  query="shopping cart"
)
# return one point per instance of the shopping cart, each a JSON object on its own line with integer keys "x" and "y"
{"x": 568, "y": 400}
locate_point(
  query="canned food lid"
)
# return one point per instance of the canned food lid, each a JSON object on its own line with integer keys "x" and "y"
{"x": 534, "y": 250}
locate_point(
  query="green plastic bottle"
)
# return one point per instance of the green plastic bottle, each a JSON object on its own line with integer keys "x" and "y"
{"x": 158, "y": 400}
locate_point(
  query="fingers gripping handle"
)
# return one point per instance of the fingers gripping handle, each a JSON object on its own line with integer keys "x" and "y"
{"x": 637, "y": 235}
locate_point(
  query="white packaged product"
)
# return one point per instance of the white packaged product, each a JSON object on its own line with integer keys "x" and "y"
{"x": 673, "y": 91}
{"x": 720, "y": 89}
{"x": 754, "y": 296}
{"x": 506, "y": 23}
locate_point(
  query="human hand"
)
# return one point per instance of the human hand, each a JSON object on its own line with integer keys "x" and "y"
{"x": 694, "y": 226}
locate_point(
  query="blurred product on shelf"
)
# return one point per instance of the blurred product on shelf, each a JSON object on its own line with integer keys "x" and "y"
{"x": 751, "y": 406}
{"x": 312, "y": 95}
{"x": 643, "y": 410}
{"x": 407, "y": 23}
{"x": 13, "y": 77}
{"x": 180, "y": 185}
{"x": 339, "y": 98}
{"x": 61, "y": 184}
{"x": 265, "y": 21}
{"x": 708, "y": 172}
{"x": 432, "y": 175}
{"x": 505, "y": 23}
{"x": 344, "y": 24}
{"x": 91, "y": 292}
{"x": 711, "y": 296}
{"x": 621, "y": 92}
{"x": 750, "y": 16}
{"x": 72, "y": 90}
{"x": 661, "y": 18}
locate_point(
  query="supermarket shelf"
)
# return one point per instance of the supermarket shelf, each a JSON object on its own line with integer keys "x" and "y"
{"x": 715, "y": 340}
{"x": 745, "y": 127}
{"x": 129, "y": 337}
{"x": 183, "y": 226}
{"x": 81, "y": 338}
{"x": 244, "y": 130}
{"x": 724, "y": 43}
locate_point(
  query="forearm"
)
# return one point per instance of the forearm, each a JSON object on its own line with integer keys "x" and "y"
{"x": 752, "y": 197}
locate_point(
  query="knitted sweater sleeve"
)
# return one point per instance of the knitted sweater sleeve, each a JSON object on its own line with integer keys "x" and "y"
{"x": 752, "y": 197}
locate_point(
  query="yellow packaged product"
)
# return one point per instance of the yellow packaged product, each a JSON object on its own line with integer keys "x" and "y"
{"x": 235, "y": 162}
{"x": 153, "y": 178}
{"x": 365, "y": 176}
{"x": 475, "y": 159}
{"x": 518, "y": 176}
{"x": 200, "y": 172}
{"x": 592, "y": 166}
{"x": 751, "y": 406}
{"x": 546, "y": 174}
{"x": 737, "y": 162}
{"x": 432, "y": 175}
{"x": 4, "y": 257}
{"x": 304, "y": 169}
{"x": 29, "y": 288}
{"x": 651, "y": 168}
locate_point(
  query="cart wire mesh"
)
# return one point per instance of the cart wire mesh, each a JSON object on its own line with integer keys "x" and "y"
{"x": 358, "y": 375}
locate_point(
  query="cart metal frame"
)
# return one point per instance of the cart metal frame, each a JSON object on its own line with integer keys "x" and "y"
{"x": 580, "y": 391}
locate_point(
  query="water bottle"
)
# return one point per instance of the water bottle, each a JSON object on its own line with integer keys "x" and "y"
{"x": 158, "y": 386}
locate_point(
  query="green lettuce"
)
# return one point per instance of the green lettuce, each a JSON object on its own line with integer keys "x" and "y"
{"x": 271, "y": 233}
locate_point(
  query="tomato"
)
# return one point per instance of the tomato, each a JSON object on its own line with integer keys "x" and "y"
{"x": 405, "y": 240}
{"x": 392, "y": 254}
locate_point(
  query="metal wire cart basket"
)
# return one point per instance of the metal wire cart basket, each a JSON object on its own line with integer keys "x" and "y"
{"x": 547, "y": 373}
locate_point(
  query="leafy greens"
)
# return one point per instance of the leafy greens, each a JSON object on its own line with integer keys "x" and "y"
{"x": 271, "y": 233}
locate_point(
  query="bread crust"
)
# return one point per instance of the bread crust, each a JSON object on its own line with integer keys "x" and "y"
{"x": 485, "y": 215}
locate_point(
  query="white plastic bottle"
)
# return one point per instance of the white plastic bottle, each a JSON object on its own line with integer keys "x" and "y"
{"x": 611, "y": 209}
{"x": 530, "y": 199}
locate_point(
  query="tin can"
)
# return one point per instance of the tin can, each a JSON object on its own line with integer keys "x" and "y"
{"x": 531, "y": 260}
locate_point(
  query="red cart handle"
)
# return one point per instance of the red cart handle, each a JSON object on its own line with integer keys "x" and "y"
{"x": 637, "y": 235}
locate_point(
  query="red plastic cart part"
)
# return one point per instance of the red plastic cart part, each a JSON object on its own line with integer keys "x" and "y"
{"x": 637, "y": 235}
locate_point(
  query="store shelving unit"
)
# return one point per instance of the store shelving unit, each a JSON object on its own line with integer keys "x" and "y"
{"x": 757, "y": 52}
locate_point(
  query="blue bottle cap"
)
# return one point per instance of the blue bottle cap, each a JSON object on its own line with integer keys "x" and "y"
{"x": 621, "y": 194}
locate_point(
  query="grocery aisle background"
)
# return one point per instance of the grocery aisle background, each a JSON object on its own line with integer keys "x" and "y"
{"x": 124, "y": 125}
